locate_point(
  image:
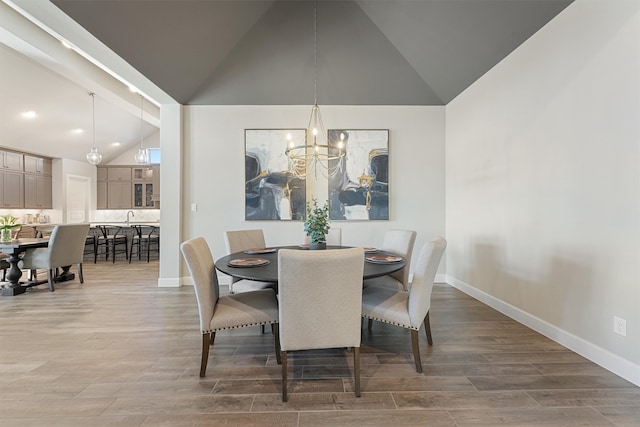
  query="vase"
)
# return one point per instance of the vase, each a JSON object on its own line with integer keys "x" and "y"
{"x": 5, "y": 235}
{"x": 317, "y": 245}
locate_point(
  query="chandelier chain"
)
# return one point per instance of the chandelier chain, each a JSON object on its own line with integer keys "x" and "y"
{"x": 315, "y": 53}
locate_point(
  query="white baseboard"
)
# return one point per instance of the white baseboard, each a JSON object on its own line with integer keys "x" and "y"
{"x": 169, "y": 282}
{"x": 616, "y": 364}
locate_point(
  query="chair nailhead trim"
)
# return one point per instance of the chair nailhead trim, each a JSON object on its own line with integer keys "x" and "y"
{"x": 240, "y": 326}
{"x": 392, "y": 323}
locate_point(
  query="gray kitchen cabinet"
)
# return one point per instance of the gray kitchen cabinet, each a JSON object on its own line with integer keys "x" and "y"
{"x": 11, "y": 161}
{"x": 11, "y": 190}
{"x": 38, "y": 165}
{"x": 37, "y": 191}
{"x": 102, "y": 195}
{"x": 102, "y": 174}
{"x": 119, "y": 174}
{"x": 118, "y": 194}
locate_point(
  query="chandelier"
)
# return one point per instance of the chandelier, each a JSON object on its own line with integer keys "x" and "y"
{"x": 93, "y": 156}
{"x": 303, "y": 156}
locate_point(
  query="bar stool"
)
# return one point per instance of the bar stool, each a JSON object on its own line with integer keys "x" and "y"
{"x": 113, "y": 240}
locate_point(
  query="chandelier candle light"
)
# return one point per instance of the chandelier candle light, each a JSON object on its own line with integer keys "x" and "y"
{"x": 93, "y": 156}
{"x": 303, "y": 156}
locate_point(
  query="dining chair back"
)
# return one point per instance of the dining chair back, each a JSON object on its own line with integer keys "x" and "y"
{"x": 242, "y": 240}
{"x": 66, "y": 247}
{"x": 408, "y": 309}
{"x": 224, "y": 312}
{"x": 400, "y": 242}
{"x": 320, "y": 296}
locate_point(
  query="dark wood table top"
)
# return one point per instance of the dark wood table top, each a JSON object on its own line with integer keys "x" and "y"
{"x": 23, "y": 244}
{"x": 269, "y": 272}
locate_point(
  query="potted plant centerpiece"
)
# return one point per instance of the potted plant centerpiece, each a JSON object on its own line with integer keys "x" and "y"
{"x": 317, "y": 224}
{"x": 7, "y": 223}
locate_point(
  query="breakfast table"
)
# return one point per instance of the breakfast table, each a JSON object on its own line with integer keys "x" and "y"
{"x": 261, "y": 264}
{"x": 15, "y": 248}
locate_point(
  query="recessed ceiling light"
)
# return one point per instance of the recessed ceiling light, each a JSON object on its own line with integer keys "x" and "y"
{"x": 29, "y": 114}
{"x": 77, "y": 131}
{"x": 116, "y": 144}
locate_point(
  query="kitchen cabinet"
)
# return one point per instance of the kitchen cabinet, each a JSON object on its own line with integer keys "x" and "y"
{"x": 156, "y": 185}
{"x": 11, "y": 189}
{"x": 37, "y": 191}
{"x": 126, "y": 187}
{"x": 37, "y": 165}
{"x": 37, "y": 182}
{"x": 102, "y": 195}
{"x": 119, "y": 174}
{"x": 119, "y": 194}
{"x": 11, "y": 161}
{"x": 102, "y": 174}
{"x": 143, "y": 195}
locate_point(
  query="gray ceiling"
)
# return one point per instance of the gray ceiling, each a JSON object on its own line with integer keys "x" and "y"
{"x": 382, "y": 52}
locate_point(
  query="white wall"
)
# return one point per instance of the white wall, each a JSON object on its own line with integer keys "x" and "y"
{"x": 214, "y": 170}
{"x": 543, "y": 184}
{"x": 126, "y": 158}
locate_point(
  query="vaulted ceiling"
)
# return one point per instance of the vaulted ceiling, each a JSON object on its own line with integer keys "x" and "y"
{"x": 237, "y": 52}
{"x": 377, "y": 52}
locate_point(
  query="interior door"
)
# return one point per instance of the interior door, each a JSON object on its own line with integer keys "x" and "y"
{"x": 77, "y": 200}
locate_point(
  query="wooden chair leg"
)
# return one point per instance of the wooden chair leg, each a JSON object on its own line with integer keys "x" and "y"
{"x": 80, "y": 276}
{"x": 275, "y": 328}
{"x": 206, "y": 338}
{"x": 212, "y": 338}
{"x": 356, "y": 370}
{"x": 370, "y": 324}
{"x": 50, "y": 279}
{"x": 427, "y": 329}
{"x": 416, "y": 350}
{"x": 284, "y": 376}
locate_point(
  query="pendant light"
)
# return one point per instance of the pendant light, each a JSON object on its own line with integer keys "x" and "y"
{"x": 319, "y": 155}
{"x": 142, "y": 156}
{"x": 93, "y": 156}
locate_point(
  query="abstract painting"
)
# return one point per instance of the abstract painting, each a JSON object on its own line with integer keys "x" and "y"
{"x": 271, "y": 191}
{"x": 359, "y": 190}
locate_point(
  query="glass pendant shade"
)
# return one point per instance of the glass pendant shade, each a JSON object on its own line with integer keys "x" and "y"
{"x": 142, "y": 156}
{"x": 94, "y": 157}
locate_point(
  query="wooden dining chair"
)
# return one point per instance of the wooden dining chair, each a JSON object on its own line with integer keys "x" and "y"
{"x": 219, "y": 313}
{"x": 400, "y": 242}
{"x": 408, "y": 309}
{"x": 320, "y": 297}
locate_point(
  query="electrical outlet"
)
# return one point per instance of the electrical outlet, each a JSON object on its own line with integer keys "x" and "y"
{"x": 619, "y": 326}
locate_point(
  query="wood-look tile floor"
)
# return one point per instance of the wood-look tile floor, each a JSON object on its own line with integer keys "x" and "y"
{"x": 118, "y": 351}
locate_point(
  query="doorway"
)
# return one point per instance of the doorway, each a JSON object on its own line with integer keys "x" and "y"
{"x": 77, "y": 200}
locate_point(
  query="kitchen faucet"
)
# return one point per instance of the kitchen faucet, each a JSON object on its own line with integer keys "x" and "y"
{"x": 132, "y": 214}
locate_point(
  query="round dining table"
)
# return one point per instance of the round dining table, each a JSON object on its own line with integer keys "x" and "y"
{"x": 269, "y": 271}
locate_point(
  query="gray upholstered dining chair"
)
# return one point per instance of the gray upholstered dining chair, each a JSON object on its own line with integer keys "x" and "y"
{"x": 320, "y": 297}
{"x": 242, "y": 240}
{"x": 66, "y": 247}
{"x": 218, "y": 313}
{"x": 400, "y": 242}
{"x": 408, "y": 309}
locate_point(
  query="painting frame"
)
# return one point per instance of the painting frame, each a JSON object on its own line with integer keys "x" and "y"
{"x": 272, "y": 192}
{"x": 359, "y": 188}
